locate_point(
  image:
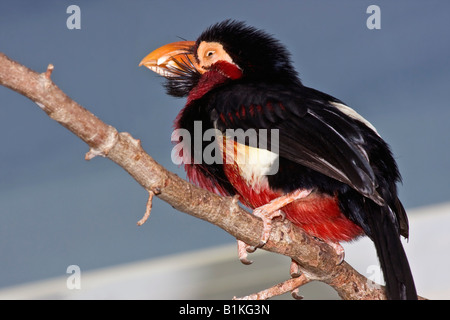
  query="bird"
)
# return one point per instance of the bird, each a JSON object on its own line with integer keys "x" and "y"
{"x": 282, "y": 148}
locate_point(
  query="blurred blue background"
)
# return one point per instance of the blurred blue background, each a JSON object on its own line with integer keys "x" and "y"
{"x": 56, "y": 209}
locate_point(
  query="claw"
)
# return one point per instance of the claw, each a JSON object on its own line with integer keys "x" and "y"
{"x": 295, "y": 295}
{"x": 267, "y": 213}
{"x": 267, "y": 218}
{"x": 242, "y": 252}
{"x": 295, "y": 270}
{"x": 272, "y": 210}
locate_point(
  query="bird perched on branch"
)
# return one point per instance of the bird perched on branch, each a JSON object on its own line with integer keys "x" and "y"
{"x": 282, "y": 148}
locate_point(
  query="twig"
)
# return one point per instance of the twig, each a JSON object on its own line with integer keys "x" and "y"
{"x": 279, "y": 289}
{"x": 148, "y": 209}
{"x": 49, "y": 71}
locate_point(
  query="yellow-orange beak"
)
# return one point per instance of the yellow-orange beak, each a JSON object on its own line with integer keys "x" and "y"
{"x": 172, "y": 59}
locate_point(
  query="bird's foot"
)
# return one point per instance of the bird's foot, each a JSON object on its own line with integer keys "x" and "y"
{"x": 295, "y": 272}
{"x": 295, "y": 269}
{"x": 272, "y": 210}
{"x": 267, "y": 213}
{"x": 243, "y": 252}
{"x": 267, "y": 216}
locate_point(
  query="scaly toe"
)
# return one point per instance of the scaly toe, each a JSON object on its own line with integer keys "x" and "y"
{"x": 294, "y": 269}
{"x": 242, "y": 252}
{"x": 251, "y": 249}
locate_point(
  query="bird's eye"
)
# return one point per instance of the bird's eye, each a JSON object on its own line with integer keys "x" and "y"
{"x": 210, "y": 53}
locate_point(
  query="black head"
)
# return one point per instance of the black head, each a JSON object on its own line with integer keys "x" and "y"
{"x": 256, "y": 52}
{"x": 231, "y": 49}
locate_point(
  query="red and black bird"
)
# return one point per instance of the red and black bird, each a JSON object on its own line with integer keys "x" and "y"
{"x": 317, "y": 162}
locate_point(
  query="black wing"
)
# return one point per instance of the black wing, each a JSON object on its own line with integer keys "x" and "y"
{"x": 318, "y": 134}
{"x": 312, "y": 131}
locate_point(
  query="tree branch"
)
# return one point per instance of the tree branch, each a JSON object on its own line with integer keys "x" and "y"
{"x": 316, "y": 259}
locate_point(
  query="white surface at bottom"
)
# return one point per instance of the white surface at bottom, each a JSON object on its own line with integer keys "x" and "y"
{"x": 216, "y": 273}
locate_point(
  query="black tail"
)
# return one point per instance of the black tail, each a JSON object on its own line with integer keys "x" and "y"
{"x": 384, "y": 231}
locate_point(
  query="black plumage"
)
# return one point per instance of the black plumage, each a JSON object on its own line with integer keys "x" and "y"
{"x": 323, "y": 144}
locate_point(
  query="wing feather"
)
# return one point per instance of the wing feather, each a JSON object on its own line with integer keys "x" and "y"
{"x": 312, "y": 130}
